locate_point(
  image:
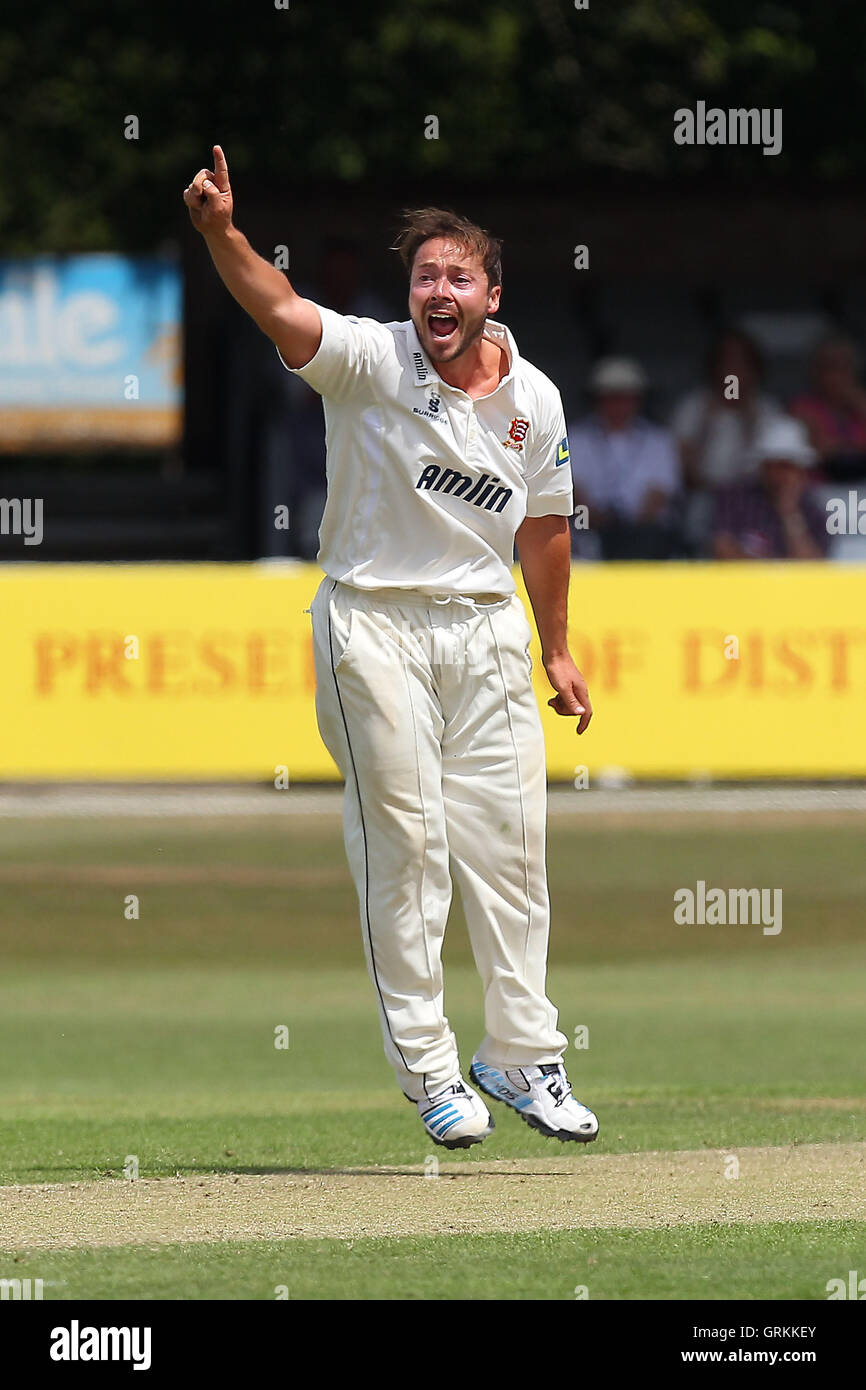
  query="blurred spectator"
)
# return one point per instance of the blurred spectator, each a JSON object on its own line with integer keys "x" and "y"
{"x": 772, "y": 516}
{"x": 834, "y": 411}
{"x": 295, "y": 429}
{"x": 716, "y": 427}
{"x": 717, "y": 424}
{"x": 625, "y": 470}
{"x": 339, "y": 284}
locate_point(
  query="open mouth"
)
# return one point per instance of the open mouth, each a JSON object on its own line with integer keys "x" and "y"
{"x": 442, "y": 326}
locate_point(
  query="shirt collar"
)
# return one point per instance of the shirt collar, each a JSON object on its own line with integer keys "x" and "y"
{"x": 501, "y": 335}
{"x": 423, "y": 371}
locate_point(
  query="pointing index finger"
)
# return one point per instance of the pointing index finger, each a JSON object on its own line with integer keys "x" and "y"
{"x": 221, "y": 169}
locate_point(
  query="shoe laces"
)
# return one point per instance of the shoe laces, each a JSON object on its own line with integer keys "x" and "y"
{"x": 559, "y": 1085}
{"x": 456, "y": 1089}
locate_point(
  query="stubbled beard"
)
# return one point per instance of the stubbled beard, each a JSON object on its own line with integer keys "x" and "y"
{"x": 469, "y": 337}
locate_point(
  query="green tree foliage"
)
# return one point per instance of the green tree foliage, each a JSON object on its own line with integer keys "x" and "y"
{"x": 525, "y": 92}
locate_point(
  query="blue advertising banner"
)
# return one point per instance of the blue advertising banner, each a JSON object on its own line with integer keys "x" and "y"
{"x": 90, "y": 352}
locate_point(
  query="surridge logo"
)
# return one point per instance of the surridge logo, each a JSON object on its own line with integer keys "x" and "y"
{"x": 487, "y": 491}
{"x": 434, "y": 403}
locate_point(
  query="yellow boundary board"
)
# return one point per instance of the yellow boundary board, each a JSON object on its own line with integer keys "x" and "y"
{"x": 204, "y": 672}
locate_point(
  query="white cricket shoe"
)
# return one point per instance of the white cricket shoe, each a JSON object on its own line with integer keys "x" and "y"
{"x": 455, "y": 1117}
{"x": 542, "y": 1096}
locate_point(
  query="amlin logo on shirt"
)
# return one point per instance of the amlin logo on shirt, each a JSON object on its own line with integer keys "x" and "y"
{"x": 487, "y": 491}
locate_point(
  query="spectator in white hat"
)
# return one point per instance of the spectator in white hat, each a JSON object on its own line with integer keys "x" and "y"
{"x": 625, "y": 468}
{"x": 772, "y": 516}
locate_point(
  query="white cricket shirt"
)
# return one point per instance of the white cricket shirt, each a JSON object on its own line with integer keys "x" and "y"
{"x": 427, "y": 487}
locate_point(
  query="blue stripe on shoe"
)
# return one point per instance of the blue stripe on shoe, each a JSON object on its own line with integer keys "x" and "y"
{"x": 434, "y": 1124}
{"x": 442, "y": 1125}
{"x": 440, "y": 1110}
{"x": 441, "y": 1120}
{"x": 445, "y": 1128}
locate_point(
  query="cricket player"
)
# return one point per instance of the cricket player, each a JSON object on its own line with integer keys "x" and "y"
{"x": 444, "y": 447}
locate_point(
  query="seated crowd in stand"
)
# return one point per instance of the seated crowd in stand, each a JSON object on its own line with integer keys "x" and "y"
{"x": 734, "y": 475}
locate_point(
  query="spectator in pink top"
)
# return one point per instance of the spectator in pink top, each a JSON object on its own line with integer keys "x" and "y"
{"x": 834, "y": 411}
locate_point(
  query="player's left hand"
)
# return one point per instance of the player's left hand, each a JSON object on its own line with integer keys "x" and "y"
{"x": 572, "y": 697}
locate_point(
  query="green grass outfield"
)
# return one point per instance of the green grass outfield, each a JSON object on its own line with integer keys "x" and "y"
{"x": 155, "y": 1038}
{"x": 773, "y": 1260}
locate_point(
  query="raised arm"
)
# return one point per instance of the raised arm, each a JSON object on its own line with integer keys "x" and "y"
{"x": 263, "y": 291}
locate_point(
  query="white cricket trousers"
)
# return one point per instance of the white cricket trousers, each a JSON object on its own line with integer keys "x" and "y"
{"x": 427, "y": 708}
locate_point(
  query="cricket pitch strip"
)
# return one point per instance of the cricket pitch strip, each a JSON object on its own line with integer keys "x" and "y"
{"x": 563, "y": 1192}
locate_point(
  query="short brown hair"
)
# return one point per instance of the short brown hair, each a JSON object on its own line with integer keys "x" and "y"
{"x": 420, "y": 224}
